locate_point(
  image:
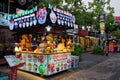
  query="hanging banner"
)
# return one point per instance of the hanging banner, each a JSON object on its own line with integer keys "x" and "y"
{"x": 102, "y": 27}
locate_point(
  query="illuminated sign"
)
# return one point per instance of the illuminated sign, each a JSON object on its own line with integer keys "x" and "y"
{"x": 25, "y": 19}
{"x": 27, "y": 12}
{"x": 41, "y": 15}
{"x": 37, "y": 15}
{"x": 53, "y": 17}
{"x": 64, "y": 18}
{"x": 23, "y": 22}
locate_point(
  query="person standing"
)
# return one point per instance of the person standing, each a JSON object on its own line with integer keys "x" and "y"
{"x": 105, "y": 49}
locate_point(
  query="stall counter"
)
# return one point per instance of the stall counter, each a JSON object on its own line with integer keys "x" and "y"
{"x": 45, "y": 64}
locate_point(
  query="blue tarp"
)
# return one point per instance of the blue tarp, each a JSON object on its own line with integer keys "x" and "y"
{"x": 3, "y": 76}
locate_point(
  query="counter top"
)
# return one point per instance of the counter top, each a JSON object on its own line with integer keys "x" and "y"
{"x": 30, "y": 52}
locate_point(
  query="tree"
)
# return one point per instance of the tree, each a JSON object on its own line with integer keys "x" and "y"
{"x": 44, "y": 3}
{"x": 84, "y": 16}
{"x": 98, "y": 7}
{"x": 116, "y": 33}
{"x": 78, "y": 8}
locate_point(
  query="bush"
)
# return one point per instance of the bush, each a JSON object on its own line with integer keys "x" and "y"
{"x": 78, "y": 50}
{"x": 97, "y": 50}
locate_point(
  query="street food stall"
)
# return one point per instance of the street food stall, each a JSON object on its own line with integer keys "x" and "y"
{"x": 41, "y": 41}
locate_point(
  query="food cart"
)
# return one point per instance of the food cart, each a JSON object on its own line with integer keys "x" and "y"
{"x": 46, "y": 64}
{"x": 41, "y": 58}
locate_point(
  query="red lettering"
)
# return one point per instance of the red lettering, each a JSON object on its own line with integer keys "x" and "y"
{"x": 60, "y": 57}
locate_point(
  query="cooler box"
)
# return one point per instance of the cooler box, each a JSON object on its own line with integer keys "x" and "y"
{"x": 75, "y": 61}
{"x": 3, "y": 76}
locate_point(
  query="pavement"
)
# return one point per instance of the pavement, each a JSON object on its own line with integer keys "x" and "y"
{"x": 91, "y": 67}
{"x": 108, "y": 69}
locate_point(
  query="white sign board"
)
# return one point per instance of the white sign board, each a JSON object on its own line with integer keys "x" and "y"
{"x": 11, "y": 59}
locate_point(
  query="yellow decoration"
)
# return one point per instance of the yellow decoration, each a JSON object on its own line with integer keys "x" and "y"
{"x": 49, "y": 37}
{"x": 60, "y": 46}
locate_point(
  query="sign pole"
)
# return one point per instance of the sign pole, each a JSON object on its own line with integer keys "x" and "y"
{"x": 11, "y": 59}
{"x": 13, "y": 73}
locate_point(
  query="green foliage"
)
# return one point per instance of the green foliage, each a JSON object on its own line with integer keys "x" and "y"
{"x": 78, "y": 50}
{"x": 116, "y": 33}
{"x": 44, "y": 3}
{"x": 97, "y": 50}
{"x": 109, "y": 21}
{"x": 85, "y": 15}
{"x": 77, "y": 8}
{"x": 98, "y": 7}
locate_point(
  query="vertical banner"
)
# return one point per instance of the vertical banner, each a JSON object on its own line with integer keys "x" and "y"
{"x": 102, "y": 31}
{"x": 102, "y": 27}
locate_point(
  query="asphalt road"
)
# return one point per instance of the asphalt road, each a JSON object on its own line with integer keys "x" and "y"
{"x": 92, "y": 67}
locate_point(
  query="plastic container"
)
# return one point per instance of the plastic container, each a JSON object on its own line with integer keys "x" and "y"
{"x": 75, "y": 61}
{"x": 3, "y": 76}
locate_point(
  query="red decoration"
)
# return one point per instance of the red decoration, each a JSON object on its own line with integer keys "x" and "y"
{"x": 51, "y": 67}
{"x": 40, "y": 59}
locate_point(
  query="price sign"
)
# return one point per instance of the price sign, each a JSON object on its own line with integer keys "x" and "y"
{"x": 12, "y": 61}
